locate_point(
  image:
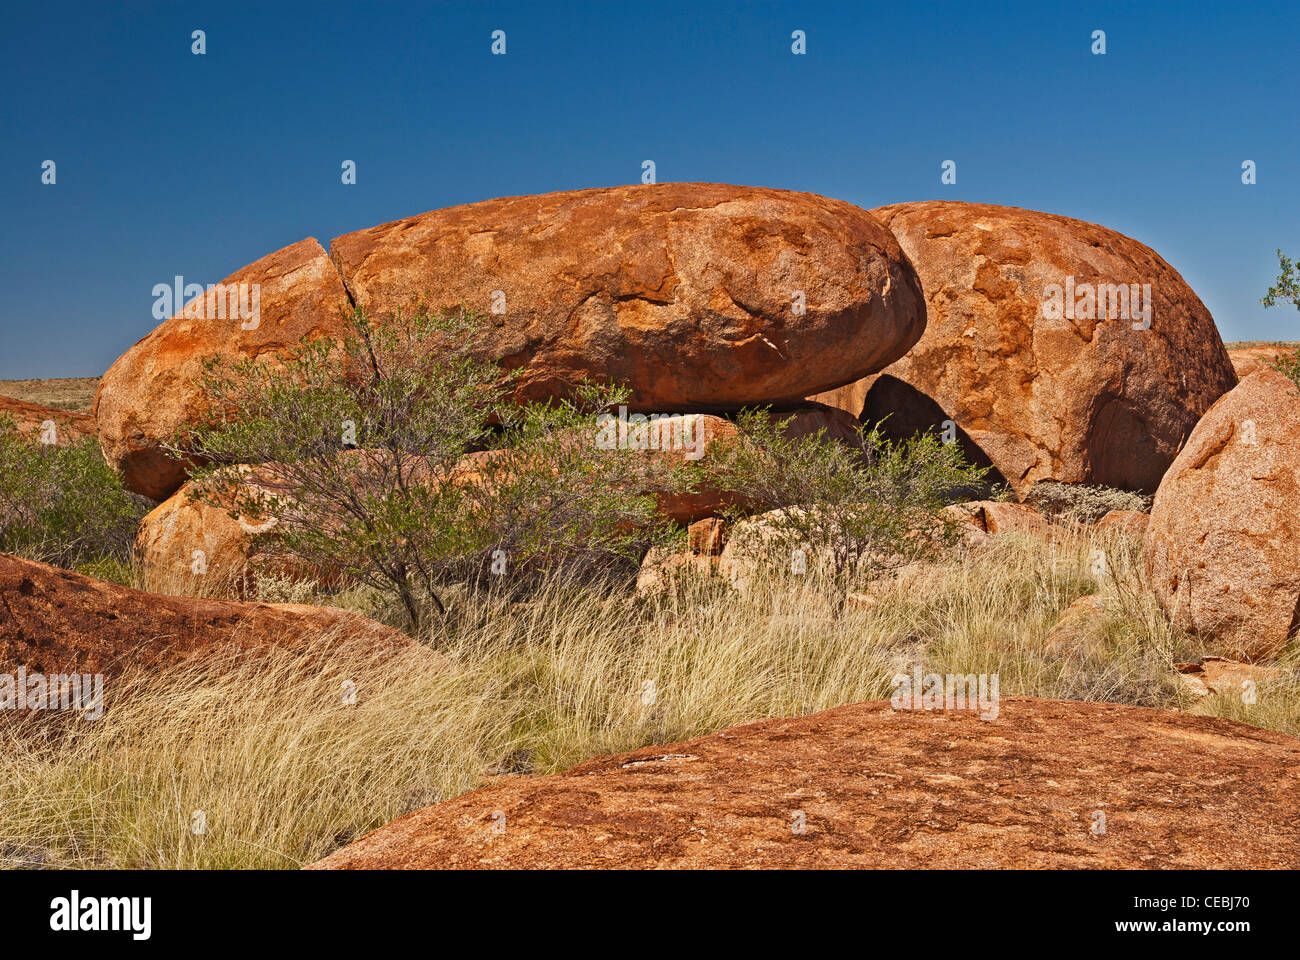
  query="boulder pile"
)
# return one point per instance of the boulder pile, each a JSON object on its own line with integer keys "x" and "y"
{"x": 699, "y": 297}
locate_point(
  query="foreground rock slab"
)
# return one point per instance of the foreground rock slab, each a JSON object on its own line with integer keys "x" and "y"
{"x": 1223, "y": 542}
{"x": 875, "y": 787}
{"x": 56, "y": 621}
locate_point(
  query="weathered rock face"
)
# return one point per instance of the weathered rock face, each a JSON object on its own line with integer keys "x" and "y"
{"x": 1214, "y": 676}
{"x": 195, "y": 549}
{"x": 180, "y": 546}
{"x": 31, "y": 420}
{"x": 1223, "y": 542}
{"x": 994, "y": 517}
{"x": 878, "y": 787}
{"x": 56, "y": 621}
{"x": 700, "y": 297}
{"x": 154, "y": 388}
{"x": 1042, "y": 393}
{"x": 687, "y": 292}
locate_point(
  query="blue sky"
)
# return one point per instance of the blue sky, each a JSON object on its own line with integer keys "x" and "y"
{"x": 170, "y": 163}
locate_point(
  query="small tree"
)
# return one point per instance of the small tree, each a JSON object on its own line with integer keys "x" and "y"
{"x": 858, "y": 510}
{"x": 1286, "y": 290}
{"x": 397, "y": 458}
{"x": 61, "y": 503}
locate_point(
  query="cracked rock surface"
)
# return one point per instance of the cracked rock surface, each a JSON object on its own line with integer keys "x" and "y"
{"x": 701, "y": 297}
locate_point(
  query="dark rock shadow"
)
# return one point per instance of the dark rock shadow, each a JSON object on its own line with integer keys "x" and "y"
{"x": 906, "y": 411}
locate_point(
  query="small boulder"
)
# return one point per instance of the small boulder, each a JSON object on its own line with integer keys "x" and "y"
{"x": 1223, "y": 543}
{"x": 1131, "y": 523}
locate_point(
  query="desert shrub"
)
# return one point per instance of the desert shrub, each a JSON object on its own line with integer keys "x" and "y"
{"x": 364, "y": 445}
{"x": 1286, "y": 289}
{"x": 61, "y": 503}
{"x": 856, "y": 511}
{"x": 1081, "y": 502}
{"x": 1289, "y": 364}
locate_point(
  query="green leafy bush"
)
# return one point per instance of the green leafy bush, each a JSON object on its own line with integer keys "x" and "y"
{"x": 857, "y": 511}
{"x": 61, "y": 503}
{"x": 397, "y": 458}
{"x": 1286, "y": 289}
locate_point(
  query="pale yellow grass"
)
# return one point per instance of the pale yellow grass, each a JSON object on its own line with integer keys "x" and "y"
{"x": 285, "y": 769}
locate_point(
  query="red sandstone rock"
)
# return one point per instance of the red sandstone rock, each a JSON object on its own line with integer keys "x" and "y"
{"x": 876, "y": 787}
{"x": 689, "y": 293}
{"x": 56, "y": 621}
{"x": 155, "y": 388}
{"x": 1078, "y": 400}
{"x": 1223, "y": 543}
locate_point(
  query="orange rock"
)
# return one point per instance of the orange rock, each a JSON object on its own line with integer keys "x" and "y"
{"x": 180, "y": 536}
{"x": 1215, "y": 675}
{"x": 1223, "y": 543}
{"x": 995, "y": 516}
{"x": 707, "y": 537}
{"x": 32, "y": 418}
{"x": 1072, "y": 399}
{"x": 1246, "y": 360}
{"x": 869, "y": 786}
{"x": 1130, "y": 522}
{"x": 56, "y": 621}
{"x": 661, "y": 566}
{"x": 1077, "y": 624}
{"x": 699, "y": 296}
{"x": 155, "y": 388}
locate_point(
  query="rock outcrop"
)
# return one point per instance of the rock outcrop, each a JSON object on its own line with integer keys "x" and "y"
{"x": 1223, "y": 542}
{"x": 31, "y": 419}
{"x": 56, "y": 621}
{"x": 155, "y": 388}
{"x": 700, "y": 297}
{"x": 869, "y": 786}
{"x": 1039, "y": 387}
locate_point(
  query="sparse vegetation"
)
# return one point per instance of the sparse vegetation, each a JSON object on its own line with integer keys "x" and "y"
{"x": 857, "y": 513}
{"x": 1286, "y": 289}
{"x": 74, "y": 394}
{"x": 1082, "y": 503}
{"x": 287, "y": 772}
{"x": 61, "y": 504}
{"x": 364, "y": 451}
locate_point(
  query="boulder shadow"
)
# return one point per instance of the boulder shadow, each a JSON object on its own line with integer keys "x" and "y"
{"x": 906, "y": 412}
